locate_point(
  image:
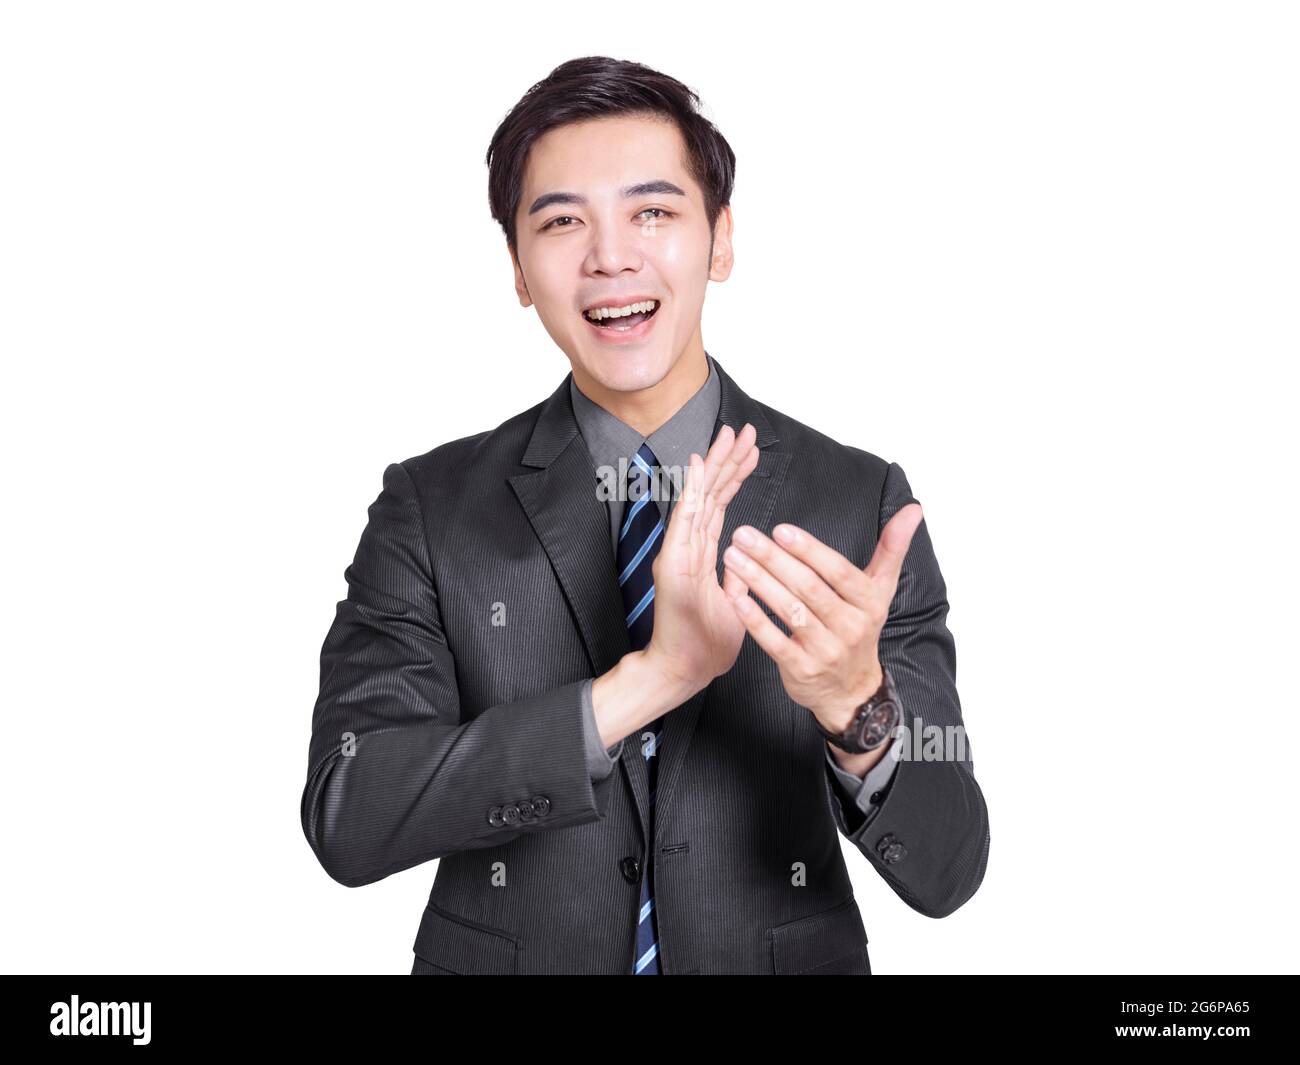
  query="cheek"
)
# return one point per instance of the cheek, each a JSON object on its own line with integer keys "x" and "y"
{"x": 682, "y": 260}
{"x": 553, "y": 307}
{"x": 547, "y": 275}
{"x": 674, "y": 256}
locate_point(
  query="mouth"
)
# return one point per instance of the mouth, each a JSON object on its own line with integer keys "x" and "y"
{"x": 622, "y": 322}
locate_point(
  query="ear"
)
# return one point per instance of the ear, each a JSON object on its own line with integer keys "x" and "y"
{"x": 723, "y": 255}
{"x": 521, "y": 286}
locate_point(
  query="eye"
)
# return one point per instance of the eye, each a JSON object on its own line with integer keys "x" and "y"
{"x": 663, "y": 213}
{"x": 560, "y": 219}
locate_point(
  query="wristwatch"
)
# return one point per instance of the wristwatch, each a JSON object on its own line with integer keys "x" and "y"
{"x": 872, "y": 723}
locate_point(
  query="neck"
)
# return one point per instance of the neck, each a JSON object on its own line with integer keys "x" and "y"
{"x": 646, "y": 410}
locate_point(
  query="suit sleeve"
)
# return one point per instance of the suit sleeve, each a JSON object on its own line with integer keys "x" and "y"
{"x": 397, "y": 773}
{"x": 929, "y": 837}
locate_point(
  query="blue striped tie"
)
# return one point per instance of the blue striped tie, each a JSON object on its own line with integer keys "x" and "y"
{"x": 639, "y": 539}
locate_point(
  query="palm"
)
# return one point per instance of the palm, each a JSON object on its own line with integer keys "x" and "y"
{"x": 696, "y": 628}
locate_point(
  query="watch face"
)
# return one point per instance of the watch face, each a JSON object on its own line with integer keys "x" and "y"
{"x": 879, "y": 723}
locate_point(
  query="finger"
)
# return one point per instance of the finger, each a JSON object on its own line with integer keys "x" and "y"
{"x": 845, "y": 579}
{"x": 705, "y": 487}
{"x": 805, "y": 583}
{"x": 887, "y": 560}
{"x": 779, "y": 647}
{"x": 720, "y": 489}
{"x": 745, "y": 464}
{"x": 732, "y": 585}
{"x": 717, "y": 455}
{"x": 805, "y": 627}
{"x": 686, "y": 510}
{"x": 735, "y": 468}
{"x": 739, "y": 463}
{"x": 699, "y": 480}
{"x": 732, "y": 458}
{"x": 711, "y": 535}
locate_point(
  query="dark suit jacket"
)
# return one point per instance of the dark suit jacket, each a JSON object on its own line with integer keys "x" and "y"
{"x": 449, "y": 724}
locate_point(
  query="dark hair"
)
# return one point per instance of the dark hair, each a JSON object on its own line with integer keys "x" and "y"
{"x": 595, "y": 87}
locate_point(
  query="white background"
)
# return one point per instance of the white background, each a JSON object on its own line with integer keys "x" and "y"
{"x": 1043, "y": 255}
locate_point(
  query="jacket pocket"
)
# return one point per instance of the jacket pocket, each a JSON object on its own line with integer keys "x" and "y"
{"x": 830, "y": 943}
{"x": 454, "y": 945}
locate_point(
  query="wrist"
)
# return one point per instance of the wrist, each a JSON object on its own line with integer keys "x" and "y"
{"x": 841, "y": 714}
{"x": 635, "y": 692}
{"x": 872, "y": 724}
{"x": 664, "y": 676}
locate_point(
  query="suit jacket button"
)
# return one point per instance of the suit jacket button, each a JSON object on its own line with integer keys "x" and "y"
{"x": 895, "y": 852}
{"x": 510, "y": 813}
{"x": 541, "y": 805}
{"x": 494, "y": 817}
{"x": 884, "y": 842}
{"x": 631, "y": 870}
{"x": 526, "y": 811}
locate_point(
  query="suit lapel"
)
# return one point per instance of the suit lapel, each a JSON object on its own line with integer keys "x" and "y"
{"x": 572, "y": 523}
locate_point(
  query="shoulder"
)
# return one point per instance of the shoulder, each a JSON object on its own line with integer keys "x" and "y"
{"x": 817, "y": 455}
{"x": 494, "y": 452}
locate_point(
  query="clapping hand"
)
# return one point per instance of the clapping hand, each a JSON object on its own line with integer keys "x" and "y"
{"x": 697, "y": 633}
{"x": 835, "y": 611}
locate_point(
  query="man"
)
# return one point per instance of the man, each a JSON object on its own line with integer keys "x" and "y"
{"x": 525, "y": 601}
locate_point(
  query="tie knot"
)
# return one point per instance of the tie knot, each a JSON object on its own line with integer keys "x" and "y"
{"x": 644, "y": 458}
{"x": 640, "y": 469}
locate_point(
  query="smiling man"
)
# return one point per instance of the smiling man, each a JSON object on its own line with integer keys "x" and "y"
{"x": 647, "y": 555}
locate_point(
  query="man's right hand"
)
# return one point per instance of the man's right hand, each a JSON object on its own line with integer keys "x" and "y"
{"x": 697, "y": 633}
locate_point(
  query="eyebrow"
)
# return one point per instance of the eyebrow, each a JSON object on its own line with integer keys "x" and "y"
{"x": 645, "y": 188}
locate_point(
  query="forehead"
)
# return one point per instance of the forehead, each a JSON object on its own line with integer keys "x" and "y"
{"x": 596, "y": 156}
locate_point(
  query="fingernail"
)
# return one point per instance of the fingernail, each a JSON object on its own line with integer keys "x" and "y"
{"x": 786, "y": 534}
{"x": 744, "y": 535}
{"x": 735, "y": 558}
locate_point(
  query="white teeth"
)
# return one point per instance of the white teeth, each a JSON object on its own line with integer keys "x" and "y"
{"x": 620, "y": 312}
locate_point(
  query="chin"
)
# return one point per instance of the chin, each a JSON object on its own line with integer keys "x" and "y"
{"x": 627, "y": 370}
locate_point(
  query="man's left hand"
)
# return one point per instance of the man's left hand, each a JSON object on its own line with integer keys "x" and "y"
{"x": 835, "y": 611}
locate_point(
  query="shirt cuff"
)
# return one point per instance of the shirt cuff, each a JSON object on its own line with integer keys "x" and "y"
{"x": 867, "y": 793}
{"x": 600, "y": 759}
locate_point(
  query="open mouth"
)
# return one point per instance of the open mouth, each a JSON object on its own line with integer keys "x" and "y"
{"x": 622, "y": 319}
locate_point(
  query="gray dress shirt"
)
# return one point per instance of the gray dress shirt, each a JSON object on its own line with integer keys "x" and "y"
{"x": 611, "y": 444}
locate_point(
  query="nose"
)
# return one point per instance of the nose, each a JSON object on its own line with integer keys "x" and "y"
{"x": 614, "y": 248}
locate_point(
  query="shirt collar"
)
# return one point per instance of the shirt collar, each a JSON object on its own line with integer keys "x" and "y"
{"x": 609, "y": 438}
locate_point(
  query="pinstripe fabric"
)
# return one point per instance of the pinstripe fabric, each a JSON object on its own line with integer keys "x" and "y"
{"x": 639, "y": 539}
{"x": 449, "y": 726}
